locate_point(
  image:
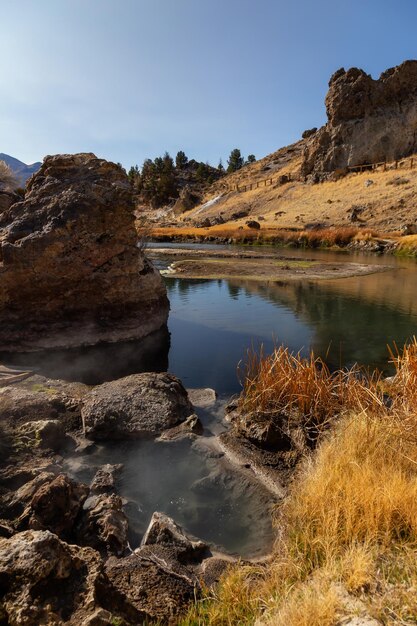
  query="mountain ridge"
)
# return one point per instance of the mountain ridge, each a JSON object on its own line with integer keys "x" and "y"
{"x": 22, "y": 171}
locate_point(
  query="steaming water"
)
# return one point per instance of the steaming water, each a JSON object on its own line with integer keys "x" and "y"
{"x": 211, "y": 325}
{"x": 205, "y": 495}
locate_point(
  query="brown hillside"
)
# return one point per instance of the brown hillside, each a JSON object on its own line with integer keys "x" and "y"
{"x": 381, "y": 199}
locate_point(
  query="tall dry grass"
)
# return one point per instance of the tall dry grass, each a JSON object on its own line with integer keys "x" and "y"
{"x": 347, "y": 532}
{"x": 286, "y": 385}
{"x": 321, "y": 237}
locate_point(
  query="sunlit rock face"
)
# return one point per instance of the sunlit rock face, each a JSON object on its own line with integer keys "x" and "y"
{"x": 369, "y": 121}
{"x": 71, "y": 273}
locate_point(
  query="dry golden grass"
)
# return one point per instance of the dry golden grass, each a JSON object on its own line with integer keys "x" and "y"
{"x": 286, "y": 384}
{"x": 347, "y": 532}
{"x": 407, "y": 245}
{"x": 386, "y": 204}
{"x": 321, "y": 237}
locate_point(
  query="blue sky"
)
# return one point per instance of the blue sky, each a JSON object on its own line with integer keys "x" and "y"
{"x": 129, "y": 79}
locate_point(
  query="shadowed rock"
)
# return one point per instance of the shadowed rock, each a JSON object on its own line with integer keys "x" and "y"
{"x": 71, "y": 273}
{"x": 47, "y": 581}
{"x": 103, "y": 524}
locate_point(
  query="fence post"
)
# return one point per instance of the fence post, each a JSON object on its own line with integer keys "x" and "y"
{"x": 396, "y": 165}
{"x": 265, "y": 182}
{"x": 411, "y": 164}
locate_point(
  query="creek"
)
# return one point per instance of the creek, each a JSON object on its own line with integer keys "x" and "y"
{"x": 212, "y": 323}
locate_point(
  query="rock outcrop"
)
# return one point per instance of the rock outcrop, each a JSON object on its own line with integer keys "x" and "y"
{"x": 47, "y": 581}
{"x": 71, "y": 272}
{"x": 369, "y": 121}
{"x": 140, "y": 405}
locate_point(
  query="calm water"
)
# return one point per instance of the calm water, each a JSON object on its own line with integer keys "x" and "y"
{"x": 214, "y": 322}
{"x": 211, "y": 325}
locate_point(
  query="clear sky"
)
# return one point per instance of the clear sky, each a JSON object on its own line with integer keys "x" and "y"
{"x": 129, "y": 79}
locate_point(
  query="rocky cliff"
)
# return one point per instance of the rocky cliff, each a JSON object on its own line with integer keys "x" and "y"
{"x": 71, "y": 272}
{"x": 369, "y": 121}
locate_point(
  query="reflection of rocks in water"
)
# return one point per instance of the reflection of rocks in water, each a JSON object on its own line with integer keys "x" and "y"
{"x": 351, "y": 318}
{"x": 93, "y": 365}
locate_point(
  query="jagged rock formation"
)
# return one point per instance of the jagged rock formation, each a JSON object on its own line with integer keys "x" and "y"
{"x": 71, "y": 272}
{"x": 369, "y": 121}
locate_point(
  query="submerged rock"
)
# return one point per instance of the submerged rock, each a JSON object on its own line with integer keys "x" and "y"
{"x": 71, "y": 271}
{"x": 141, "y": 405}
{"x": 201, "y": 397}
{"x": 188, "y": 429}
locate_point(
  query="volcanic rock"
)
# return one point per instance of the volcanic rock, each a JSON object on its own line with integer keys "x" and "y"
{"x": 164, "y": 531}
{"x": 7, "y": 198}
{"x": 40, "y": 398}
{"x": 71, "y": 272}
{"x": 47, "y": 581}
{"x": 48, "y": 434}
{"x": 369, "y": 121}
{"x": 103, "y": 524}
{"x": 150, "y": 585}
{"x": 140, "y": 405}
{"x": 56, "y": 505}
{"x": 104, "y": 478}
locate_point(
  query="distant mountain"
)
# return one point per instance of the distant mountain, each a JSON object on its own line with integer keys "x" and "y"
{"x": 20, "y": 169}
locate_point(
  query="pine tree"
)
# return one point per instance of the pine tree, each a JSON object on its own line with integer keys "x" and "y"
{"x": 181, "y": 160}
{"x": 235, "y": 161}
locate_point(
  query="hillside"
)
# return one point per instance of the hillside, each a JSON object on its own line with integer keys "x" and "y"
{"x": 20, "y": 169}
{"x": 357, "y": 169}
{"x": 380, "y": 199}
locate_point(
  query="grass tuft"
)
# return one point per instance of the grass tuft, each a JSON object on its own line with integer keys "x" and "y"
{"x": 347, "y": 532}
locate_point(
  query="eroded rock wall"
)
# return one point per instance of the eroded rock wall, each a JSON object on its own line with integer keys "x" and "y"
{"x": 71, "y": 273}
{"x": 369, "y": 121}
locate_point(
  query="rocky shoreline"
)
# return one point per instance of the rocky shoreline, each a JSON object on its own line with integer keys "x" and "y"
{"x": 65, "y": 554}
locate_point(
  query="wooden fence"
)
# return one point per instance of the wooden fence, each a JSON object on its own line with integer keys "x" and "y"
{"x": 268, "y": 182}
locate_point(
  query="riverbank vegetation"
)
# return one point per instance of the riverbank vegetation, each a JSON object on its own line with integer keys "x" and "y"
{"x": 339, "y": 237}
{"x": 347, "y": 531}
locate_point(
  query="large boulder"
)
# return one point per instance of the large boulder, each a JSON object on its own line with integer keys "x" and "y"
{"x": 369, "y": 121}
{"x": 152, "y": 586}
{"x": 71, "y": 272}
{"x": 46, "y": 581}
{"x": 140, "y": 405}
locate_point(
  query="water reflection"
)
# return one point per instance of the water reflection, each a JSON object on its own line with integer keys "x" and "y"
{"x": 96, "y": 364}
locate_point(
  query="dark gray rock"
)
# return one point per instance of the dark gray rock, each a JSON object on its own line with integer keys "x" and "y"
{"x": 141, "y": 405}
